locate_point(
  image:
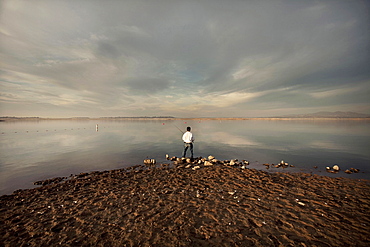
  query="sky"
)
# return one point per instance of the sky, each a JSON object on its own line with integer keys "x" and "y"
{"x": 180, "y": 58}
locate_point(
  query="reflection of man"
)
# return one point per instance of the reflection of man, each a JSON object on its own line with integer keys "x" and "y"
{"x": 188, "y": 139}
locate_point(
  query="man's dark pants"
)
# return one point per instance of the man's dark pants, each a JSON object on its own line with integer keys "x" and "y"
{"x": 188, "y": 145}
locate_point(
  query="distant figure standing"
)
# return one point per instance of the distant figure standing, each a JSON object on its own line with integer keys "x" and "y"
{"x": 188, "y": 139}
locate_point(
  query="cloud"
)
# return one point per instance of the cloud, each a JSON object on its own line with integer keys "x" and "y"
{"x": 334, "y": 92}
{"x": 146, "y": 85}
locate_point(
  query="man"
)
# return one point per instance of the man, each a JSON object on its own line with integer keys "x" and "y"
{"x": 188, "y": 139}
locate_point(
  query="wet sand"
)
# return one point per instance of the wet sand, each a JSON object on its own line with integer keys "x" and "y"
{"x": 215, "y": 205}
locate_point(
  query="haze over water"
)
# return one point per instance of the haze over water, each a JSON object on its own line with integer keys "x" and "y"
{"x": 32, "y": 150}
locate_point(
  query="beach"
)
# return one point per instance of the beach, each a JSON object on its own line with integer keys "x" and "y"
{"x": 170, "y": 205}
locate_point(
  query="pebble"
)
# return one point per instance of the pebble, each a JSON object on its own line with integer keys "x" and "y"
{"x": 150, "y": 161}
{"x": 354, "y": 170}
{"x": 207, "y": 163}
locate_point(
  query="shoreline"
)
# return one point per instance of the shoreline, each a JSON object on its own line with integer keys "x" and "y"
{"x": 18, "y": 119}
{"x": 174, "y": 162}
{"x": 177, "y": 206}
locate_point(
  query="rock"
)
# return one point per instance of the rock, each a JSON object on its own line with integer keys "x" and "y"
{"x": 282, "y": 162}
{"x": 327, "y": 168}
{"x": 210, "y": 157}
{"x": 207, "y": 163}
{"x": 196, "y": 167}
{"x": 354, "y": 170}
{"x": 246, "y": 162}
{"x": 233, "y": 162}
{"x": 167, "y": 157}
{"x": 150, "y": 161}
{"x": 336, "y": 168}
{"x": 348, "y": 171}
{"x": 188, "y": 166}
{"x": 188, "y": 160}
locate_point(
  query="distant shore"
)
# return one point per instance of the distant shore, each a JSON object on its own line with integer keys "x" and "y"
{"x": 176, "y": 206}
{"x": 12, "y": 119}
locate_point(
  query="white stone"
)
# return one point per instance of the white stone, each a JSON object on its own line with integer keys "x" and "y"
{"x": 336, "y": 168}
{"x": 207, "y": 163}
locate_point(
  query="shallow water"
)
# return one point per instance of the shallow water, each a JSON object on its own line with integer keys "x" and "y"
{"x": 32, "y": 151}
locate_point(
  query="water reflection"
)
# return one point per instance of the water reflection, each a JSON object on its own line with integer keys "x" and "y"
{"x": 33, "y": 151}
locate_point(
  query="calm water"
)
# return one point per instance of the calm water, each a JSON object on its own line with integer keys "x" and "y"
{"x": 32, "y": 151}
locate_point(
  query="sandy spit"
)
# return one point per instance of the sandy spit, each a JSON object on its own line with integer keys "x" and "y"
{"x": 211, "y": 206}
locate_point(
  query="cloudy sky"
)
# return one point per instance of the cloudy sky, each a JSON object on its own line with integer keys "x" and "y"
{"x": 183, "y": 58}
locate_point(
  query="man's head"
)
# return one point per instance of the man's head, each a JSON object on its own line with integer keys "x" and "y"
{"x": 188, "y": 128}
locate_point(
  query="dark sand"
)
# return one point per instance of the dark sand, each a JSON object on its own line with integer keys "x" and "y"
{"x": 211, "y": 206}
